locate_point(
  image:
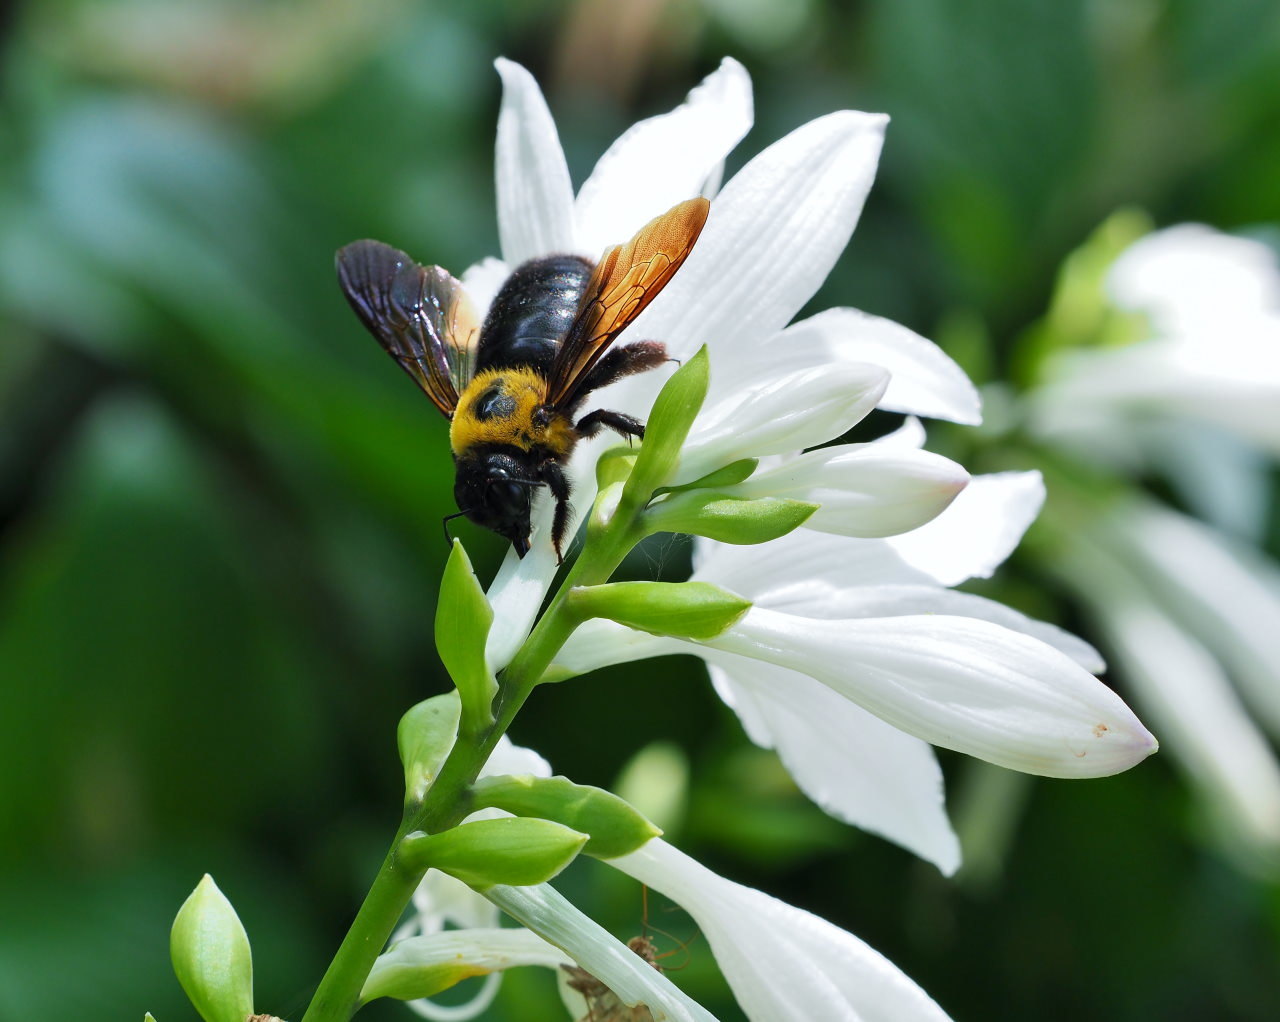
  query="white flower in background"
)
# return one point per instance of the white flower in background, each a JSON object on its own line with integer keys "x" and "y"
{"x": 856, "y": 656}
{"x": 773, "y": 234}
{"x": 780, "y": 961}
{"x": 1184, "y": 606}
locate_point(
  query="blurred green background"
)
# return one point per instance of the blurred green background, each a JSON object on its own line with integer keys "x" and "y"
{"x": 220, "y": 503}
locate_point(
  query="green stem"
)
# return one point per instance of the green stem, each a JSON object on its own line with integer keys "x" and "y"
{"x": 338, "y": 996}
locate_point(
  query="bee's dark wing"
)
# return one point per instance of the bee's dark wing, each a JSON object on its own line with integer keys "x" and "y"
{"x": 419, "y": 314}
{"x": 627, "y": 279}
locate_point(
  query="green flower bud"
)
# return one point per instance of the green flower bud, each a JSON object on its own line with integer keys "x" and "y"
{"x": 664, "y": 434}
{"x": 614, "y": 827}
{"x": 463, "y": 617}
{"x": 685, "y": 610}
{"x": 734, "y": 472}
{"x": 727, "y": 519}
{"x": 425, "y": 737}
{"x": 513, "y": 851}
{"x": 211, "y": 955}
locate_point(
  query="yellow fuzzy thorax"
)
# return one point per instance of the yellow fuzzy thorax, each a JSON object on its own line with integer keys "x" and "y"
{"x": 497, "y": 408}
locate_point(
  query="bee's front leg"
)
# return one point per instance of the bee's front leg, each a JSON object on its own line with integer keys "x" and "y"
{"x": 591, "y": 424}
{"x": 553, "y": 475}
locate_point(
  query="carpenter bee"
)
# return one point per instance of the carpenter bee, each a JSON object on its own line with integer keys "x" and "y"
{"x": 512, "y": 386}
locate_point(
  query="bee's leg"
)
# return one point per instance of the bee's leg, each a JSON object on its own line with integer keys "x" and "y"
{"x": 553, "y": 475}
{"x": 626, "y": 360}
{"x": 591, "y": 424}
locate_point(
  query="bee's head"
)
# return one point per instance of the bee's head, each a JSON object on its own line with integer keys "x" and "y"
{"x": 495, "y": 490}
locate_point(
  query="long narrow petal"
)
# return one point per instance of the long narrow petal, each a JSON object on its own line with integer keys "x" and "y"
{"x": 782, "y": 962}
{"x": 663, "y": 160}
{"x": 925, "y": 381}
{"x": 960, "y": 683}
{"x": 1185, "y": 693}
{"x": 773, "y": 235}
{"x": 557, "y": 921}
{"x": 973, "y": 536}
{"x": 1228, "y": 602}
{"x": 535, "y": 197}
{"x": 850, "y": 762}
{"x": 865, "y": 490}
{"x": 791, "y": 412}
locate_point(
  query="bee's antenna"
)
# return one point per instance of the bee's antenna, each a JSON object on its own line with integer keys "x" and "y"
{"x": 444, "y": 522}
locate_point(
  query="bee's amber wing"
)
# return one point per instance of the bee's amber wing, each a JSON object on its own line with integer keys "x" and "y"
{"x": 419, "y": 314}
{"x": 627, "y": 279}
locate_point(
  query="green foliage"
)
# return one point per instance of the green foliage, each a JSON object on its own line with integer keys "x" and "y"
{"x": 463, "y": 618}
{"x": 211, "y": 955}
{"x": 615, "y": 828}
{"x": 512, "y": 851}
{"x": 669, "y": 421}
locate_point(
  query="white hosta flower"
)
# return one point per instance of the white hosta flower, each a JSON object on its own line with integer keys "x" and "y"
{"x": 780, "y": 961}
{"x": 1213, "y": 355}
{"x": 855, "y": 651}
{"x": 785, "y": 218}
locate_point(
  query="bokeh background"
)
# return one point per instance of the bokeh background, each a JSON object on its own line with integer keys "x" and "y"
{"x": 220, "y": 503}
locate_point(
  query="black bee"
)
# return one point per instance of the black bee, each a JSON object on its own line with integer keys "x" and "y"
{"x": 512, "y": 386}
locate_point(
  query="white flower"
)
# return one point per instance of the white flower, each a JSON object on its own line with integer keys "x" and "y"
{"x": 774, "y": 233}
{"x": 1212, "y": 357}
{"x": 780, "y": 961}
{"x": 1184, "y": 607}
{"x": 854, "y": 651}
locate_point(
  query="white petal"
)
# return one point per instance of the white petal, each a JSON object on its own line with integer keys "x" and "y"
{"x": 1233, "y": 605}
{"x": 773, "y": 235}
{"x": 546, "y": 913}
{"x": 782, "y": 962}
{"x": 960, "y": 683}
{"x": 509, "y": 758}
{"x": 535, "y": 197}
{"x": 850, "y": 762}
{"x": 973, "y": 536}
{"x": 909, "y": 434}
{"x": 925, "y": 381}
{"x": 663, "y": 160}
{"x": 802, "y": 558}
{"x": 517, "y": 592}
{"x": 598, "y": 643}
{"x": 440, "y": 899}
{"x": 482, "y": 281}
{"x": 786, "y": 414}
{"x": 1185, "y": 693}
{"x": 864, "y": 489}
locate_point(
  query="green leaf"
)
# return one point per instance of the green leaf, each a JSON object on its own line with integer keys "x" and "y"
{"x": 673, "y": 413}
{"x": 211, "y": 955}
{"x": 513, "y": 851}
{"x": 727, "y": 519}
{"x": 463, "y": 618}
{"x": 425, "y": 737}
{"x": 727, "y": 475}
{"x": 685, "y": 610}
{"x": 614, "y": 827}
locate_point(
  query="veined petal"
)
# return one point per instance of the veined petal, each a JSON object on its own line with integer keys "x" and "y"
{"x": 663, "y": 160}
{"x": 599, "y": 643}
{"x": 925, "y": 380}
{"x": 535, "y": 197}
{"x": 973, "y": 536}
{"x": 774, "y": 233}
{"x": 556, "y": 920}
{"x": 786, "y": 414}
{"x": 782, "y": 962}
{"x": 960, "y": 683}
{"x": 864, "y": 489}
{"x": 851, "y": 763}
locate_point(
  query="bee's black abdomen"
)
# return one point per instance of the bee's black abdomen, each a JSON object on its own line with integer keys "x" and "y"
{"x": 532, "y": 313}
